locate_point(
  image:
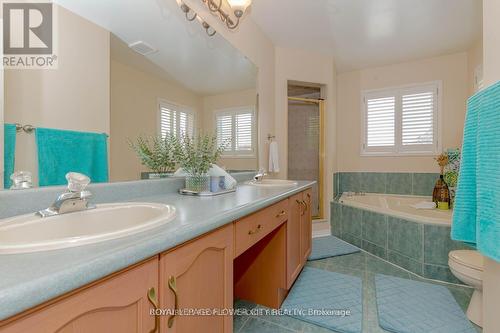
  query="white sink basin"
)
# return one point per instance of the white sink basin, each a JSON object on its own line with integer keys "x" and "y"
{"x": 273, "y": 183}
{"x": 31, "y": 233}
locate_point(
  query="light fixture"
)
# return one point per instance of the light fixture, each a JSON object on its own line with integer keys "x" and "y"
{"x": 238, "y": 6}
{"x": 191, "y": 15}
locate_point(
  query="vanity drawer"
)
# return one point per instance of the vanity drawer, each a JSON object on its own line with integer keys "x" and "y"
{"x": 253, "y": 228}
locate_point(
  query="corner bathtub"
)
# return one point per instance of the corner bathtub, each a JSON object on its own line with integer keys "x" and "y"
{"x": 388, "y": 227}
{"x": 399, "y": 206}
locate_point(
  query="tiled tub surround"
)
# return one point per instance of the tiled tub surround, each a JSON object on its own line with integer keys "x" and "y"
{"x": 419, "y": 247}
{"x": 379, "y": 182}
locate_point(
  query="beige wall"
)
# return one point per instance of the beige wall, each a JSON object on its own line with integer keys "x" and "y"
{"x": 74, "y": 96}
{"x": 226, "y": 101}
{"x": 303, "y": 66}
{"x": 491, "y": 41}
{"x": 134, "y": 112}
{"x": 450, "y": 69}
{"x": 258, "y": 48}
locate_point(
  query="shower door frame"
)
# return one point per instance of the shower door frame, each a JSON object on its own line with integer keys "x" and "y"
{"x": 321, "y": 104}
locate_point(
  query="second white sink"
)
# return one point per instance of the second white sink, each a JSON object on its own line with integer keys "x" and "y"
{"x": 273, "y": 183}
{"x": 31, "y": 233}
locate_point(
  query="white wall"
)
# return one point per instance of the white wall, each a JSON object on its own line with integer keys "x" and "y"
{"x": 225, "y": 101}
{"x": 491, "y": 42}
{"x": 134, "y": 112}
{"x": 303, "y": 66}
{"x": 451, "y": 69}
{"x": 74, "y": 96}
{"x": 258, "y": 48}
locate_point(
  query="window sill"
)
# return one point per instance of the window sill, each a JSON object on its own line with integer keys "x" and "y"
{"x": 238, "y": 156}
{"x": 405, "y": 154}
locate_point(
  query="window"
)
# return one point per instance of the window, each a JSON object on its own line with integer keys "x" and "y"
{"x": 175, "y": 120}
{"x": 401, "y": 120}
{"x": 236, "y": 126}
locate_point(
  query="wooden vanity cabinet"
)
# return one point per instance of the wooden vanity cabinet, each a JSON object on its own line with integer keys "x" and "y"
{"x": 299, "y": 234}
{"x": 260, "y": 256}
{"x": 306, "y": 226}
{"x": 198, "y": 275}
{"x": 118, "y": 304}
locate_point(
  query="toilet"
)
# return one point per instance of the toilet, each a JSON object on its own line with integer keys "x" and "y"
{"x": 467, "y": 266}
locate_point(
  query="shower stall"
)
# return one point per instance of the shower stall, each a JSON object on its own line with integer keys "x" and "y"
{"x": 305, "y": 140}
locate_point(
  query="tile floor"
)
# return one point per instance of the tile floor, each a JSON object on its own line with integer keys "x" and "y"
{"x": 360, "y": 264}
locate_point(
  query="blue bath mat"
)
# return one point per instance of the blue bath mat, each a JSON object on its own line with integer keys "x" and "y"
{"x": 330, "y": 246}
{"x": 339, "y": 294}
{"x": 407, "y": 306}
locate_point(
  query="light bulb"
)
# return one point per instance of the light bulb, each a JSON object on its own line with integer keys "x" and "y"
{"x": 239, "y": 5}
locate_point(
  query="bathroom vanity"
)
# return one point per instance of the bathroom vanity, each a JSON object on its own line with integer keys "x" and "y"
{"x": 254, "y": 251}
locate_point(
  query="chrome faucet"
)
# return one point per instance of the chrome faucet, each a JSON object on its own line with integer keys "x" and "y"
{"x": 75, "y": 199}
{"x": 260, "y": 175}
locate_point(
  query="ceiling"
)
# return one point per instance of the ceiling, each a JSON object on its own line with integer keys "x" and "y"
{"x": 368, "y": 33}
{"x": 205, "y": 65}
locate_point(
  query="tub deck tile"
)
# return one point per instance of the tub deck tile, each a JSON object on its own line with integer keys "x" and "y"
{"x": 405, "y": 237}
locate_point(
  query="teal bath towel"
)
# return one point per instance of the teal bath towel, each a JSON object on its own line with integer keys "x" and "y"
{"x": 60, "y": 152}
{"x": 9, "y": 153}
{"x": 476, "y": 216}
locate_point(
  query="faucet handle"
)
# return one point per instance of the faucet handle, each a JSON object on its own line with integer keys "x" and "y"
{"x": 77, "y": 182}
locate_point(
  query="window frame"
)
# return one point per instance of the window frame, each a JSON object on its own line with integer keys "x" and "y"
{"x": 233, "y": 111}
{"x": 178, "y": 108}
{"x": 398, "y": 149}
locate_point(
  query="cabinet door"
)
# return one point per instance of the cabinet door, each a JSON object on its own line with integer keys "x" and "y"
{"x": 306, "y": 226}
{"x": 293, "y": 227}
{"x": 119, "y": 304}
{"x": 198, "y": 275}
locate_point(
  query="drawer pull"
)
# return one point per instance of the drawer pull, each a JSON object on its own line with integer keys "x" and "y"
{"x": 253, "y": 232}
{"x": 303, "y": 204}
{"x": 282, "y": 213}
{"x": 172, "y": 285}
{"x": 153, "y": 299}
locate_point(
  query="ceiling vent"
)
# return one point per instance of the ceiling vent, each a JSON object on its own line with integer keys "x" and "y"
{"x": 142, "y": 48}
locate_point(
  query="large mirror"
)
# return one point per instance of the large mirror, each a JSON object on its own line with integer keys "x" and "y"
{"x": 126, "y": 71}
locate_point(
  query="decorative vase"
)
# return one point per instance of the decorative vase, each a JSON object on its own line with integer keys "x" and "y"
{"x": 198, "y": 183}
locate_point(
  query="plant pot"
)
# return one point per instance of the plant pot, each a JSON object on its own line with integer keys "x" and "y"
{"x": 198, "y": 183}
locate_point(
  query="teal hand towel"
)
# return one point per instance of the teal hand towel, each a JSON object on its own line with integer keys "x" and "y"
{"x": 476, "y": 216}
{"x": 9, "y": 153}
{"x": 61, "y": 151}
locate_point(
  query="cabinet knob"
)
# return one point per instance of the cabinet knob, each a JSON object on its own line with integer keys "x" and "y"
{"x": 153, "y": 299}
{"x": 253, "y": 232}
{"x": 282, "y": 213}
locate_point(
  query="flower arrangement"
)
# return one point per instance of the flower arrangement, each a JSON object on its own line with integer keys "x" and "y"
{"x": 196, "y": 155}
{"x": 156, "y": 153}
{"x": 442, "y": 161}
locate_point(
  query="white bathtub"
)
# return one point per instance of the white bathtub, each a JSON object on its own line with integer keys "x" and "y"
{"x": 398, "y": 206}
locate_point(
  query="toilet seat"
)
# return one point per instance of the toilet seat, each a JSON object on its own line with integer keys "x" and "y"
{"x": 468, "y": 258}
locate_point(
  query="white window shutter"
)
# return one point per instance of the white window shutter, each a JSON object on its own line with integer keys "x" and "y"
{"x": 380, "y": 121}
{"x": 418, "y": 112}
{"x": 176, "y": 120}
{"x": 167, "y": 121}
{"x": 236, "y": 128}
{"x": 401, "y": 120}
{"x": 243, "y": 131}
{"x": 225, "y": 131}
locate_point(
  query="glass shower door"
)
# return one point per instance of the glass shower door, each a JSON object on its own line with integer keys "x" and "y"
{"x": 304, "y": 145}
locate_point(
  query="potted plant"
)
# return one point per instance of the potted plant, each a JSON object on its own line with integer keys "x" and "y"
{"x": 195, "y": 156}
{"x": 156, "y": 153}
